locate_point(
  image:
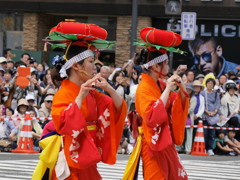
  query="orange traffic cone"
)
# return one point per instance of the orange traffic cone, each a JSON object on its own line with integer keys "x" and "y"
{"x": 199, "y": 144}
{"x": 25, "y": 143}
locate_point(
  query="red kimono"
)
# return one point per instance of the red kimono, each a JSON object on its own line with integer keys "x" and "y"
{"x": 163, "y": 127}
{"x": 91, "y": 133}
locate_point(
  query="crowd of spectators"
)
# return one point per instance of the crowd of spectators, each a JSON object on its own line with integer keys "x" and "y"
{"x": 213, "y": 100}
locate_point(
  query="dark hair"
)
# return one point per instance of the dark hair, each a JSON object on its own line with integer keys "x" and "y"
{"x": 229, "y": 86}
{"x": 231, "y": 130}
{"x": 190, "y": 71}
{"x": 8, "y": 71}
{"x": 200, "y": 40}
{"x": 231, "y": 73}
{"x": 112, "y": 65}
{"x": 25, "y": 54}
{"x": 42, "y": 66}
{"x": 72, "y": 51}
{"x": 220, "y": 132}
{"x": 10, "y": 109}
{"x": 116, "y": 75}
{"x": 20, "y": 63}
{"x": 31, "y": 108}
{"x": 212, "y": 80}
{"x": 5, "y": 51}
{"x": 146, "y": 56}
{"x": 9, "y": 61}
{"x": 223, "y": 75}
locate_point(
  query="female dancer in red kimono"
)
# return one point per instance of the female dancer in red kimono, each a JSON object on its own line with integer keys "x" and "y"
{"x": 163, "y": 113}
{"x": 90, "y": 122}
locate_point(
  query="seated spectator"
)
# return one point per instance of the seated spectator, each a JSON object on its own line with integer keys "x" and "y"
{"x": 9, "y": 112}
{"x": 17, "y": 93}
{"x": 31, "y": 101}
{"x": 218, "y": 88}
{"x": 220, "y": 147}
{"x": 124, "y": 143}
{"x": 232, "y": 142}
{"x": 230, "y": 104}
{"x": 36, "y": 128}
{"x": 6, "y": 83}
{"x": 46, "y": 108}
{"x": 34, "y": 87}
{"x": 1, "y": 72}
{"x": 8, "y": 131}
{"x": 51, "y": 92}
{"x": 20, "y": 111}
{"x": 10, "y": 64}
{"x": 3, "y": 62}
{"x": 200, "y": 105}
{"x": 46, "y": 84}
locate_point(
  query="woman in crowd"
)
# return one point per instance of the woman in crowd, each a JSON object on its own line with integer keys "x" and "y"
{"x": 118, "y": 83}
{"x": 40, "y": 71}
{"x": 20, "y": 111}
{"x": 134, "y": 81}
{"x": 190, "y": 120}
{"x": 46, "y": 84}
{"x": 230, "y": 105}
{"x": 6, "y": 83}
{"x": 9, "y": 112}
{"x": 164, "y": 114}
{"x": 8, "y": 131}
{"x": 36, "y": 128}
{"x": 91, "y": 122}
{"x": 211, "y": 113}
{"x": 34, "y": 87}
{"x": 200, "y": 105}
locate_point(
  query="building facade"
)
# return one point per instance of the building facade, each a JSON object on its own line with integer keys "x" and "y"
{"x": 33, "y": 19}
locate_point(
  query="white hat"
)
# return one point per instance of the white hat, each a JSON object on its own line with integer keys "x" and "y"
{"x": 229, "y": 84}
{"x": 32, "y": 69}
{"x": 30, "y": 97}
{"x": 3, "y": 59}
{"x": 48, "y": 98}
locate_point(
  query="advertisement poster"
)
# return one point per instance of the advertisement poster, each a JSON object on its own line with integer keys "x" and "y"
{"x": 221, "y": 57}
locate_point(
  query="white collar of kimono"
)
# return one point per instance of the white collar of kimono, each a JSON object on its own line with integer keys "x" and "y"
{"x": 156, "y": 60}
{"x": 79, "y": 57}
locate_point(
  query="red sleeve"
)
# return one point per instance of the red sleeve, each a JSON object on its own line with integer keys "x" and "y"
{"x": 71, "y": 118}
{"x": 157, "y": 114}
{"x": 66, "y": 114}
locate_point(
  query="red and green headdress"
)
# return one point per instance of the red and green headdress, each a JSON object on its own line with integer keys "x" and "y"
{"x": 66, "y": 34}
{"x": 159, "y": 40}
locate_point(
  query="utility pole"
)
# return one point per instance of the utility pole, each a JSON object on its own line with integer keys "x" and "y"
{"x": 172, "y": 28}
{"x": 134, "y": 27}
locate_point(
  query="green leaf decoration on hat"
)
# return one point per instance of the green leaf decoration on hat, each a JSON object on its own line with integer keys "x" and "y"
{"x": 102, "y": 44}
{"x": 170, "y": 49}
{"x": 57, "y": 36}
{"x": 60, "y": 40}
